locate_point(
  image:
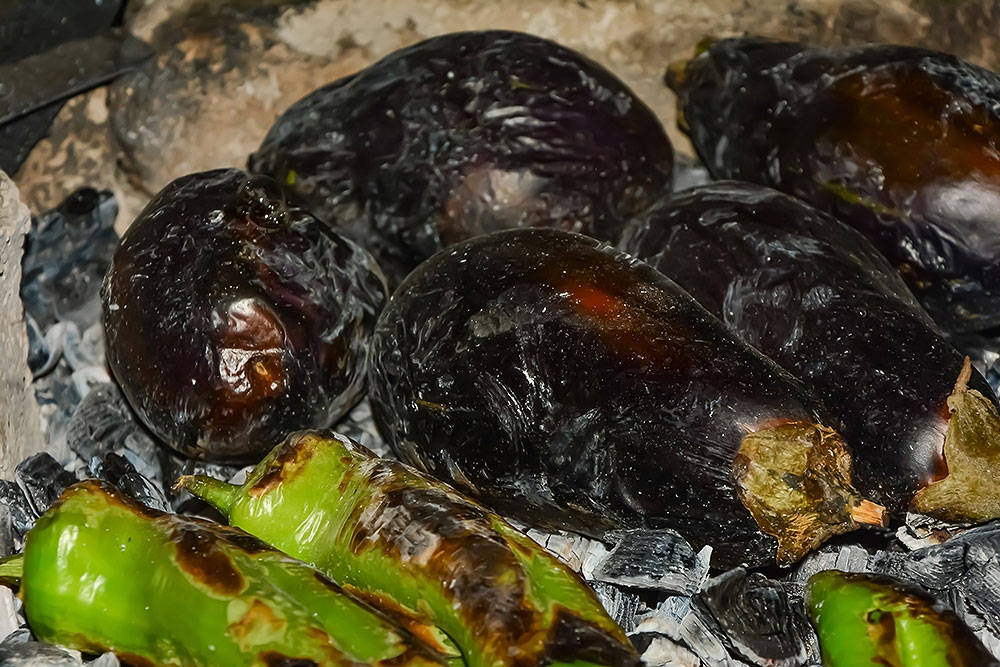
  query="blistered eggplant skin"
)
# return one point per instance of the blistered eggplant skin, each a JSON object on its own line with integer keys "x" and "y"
{"x": 813, "y": 295}
{"x": 467, "y": 133}
{"x": 569, "y": 386}
{"x": 232, "y": 318}
{"x": 901, "y": 143}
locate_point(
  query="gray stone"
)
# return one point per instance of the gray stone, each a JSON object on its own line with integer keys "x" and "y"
{"x": 20, "y": 424}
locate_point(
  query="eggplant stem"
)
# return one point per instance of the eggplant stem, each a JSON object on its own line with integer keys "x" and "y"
{"x": 870, "y": 513}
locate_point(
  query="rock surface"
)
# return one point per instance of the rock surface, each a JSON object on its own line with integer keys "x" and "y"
{"x": 20, "y": 424}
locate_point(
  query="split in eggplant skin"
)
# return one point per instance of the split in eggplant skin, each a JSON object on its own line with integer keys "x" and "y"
{"x": 901, "y": 143}
{"x": 813, "y": 295}
{"x": 467, "y": 133}
{"x": 231, "y": 317}
{"x": 570, "y": 386}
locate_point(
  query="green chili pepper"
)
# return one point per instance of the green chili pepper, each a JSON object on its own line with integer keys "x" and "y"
{"x": 875, "y": 620}
{"x": 385, "y": 531}
{"x": 100, "y": 572}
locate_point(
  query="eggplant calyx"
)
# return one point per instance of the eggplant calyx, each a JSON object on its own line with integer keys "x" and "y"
{"x": 970, "y": 492}
{"x": 795, "y": 479}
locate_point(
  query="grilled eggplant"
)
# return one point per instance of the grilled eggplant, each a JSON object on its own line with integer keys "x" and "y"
{"x": 232, "y": 317}
{"x": 467, "y": 133}
{"x": 569, "y": 386}
{"x": 901, "y": 143}
{"x": 813, "y": 295}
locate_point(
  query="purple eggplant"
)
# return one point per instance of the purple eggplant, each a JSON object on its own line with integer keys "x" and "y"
{"x": 467, "y": 133}
{"x": 901, "y": 143}
{"x": 232, "y": 318}
{"x": 570, "y": 386}
{"x": 813, "y": 295}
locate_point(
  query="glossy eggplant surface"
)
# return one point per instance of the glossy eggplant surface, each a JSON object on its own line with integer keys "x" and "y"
{"x": 232, "y": 318}
{"x": 464, "y": 134}
{"x": 813, "y": 295}
{"x": 901, "y": 143}
{"x": 570, "y": 386}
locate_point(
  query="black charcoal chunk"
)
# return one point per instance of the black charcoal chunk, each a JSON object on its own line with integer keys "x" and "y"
{"x": 37, "y": 654}
{"x": 42, "y": 355}
{"x": 66, "y": 254}
{"x": 22, "y": 514}
{"x": 104, "y": 423}
{"x": 689, "y": 172}
{"x": 964, "y": 572}
{"x": 620, "y": 604}
{"x": 360, "y": 426}
{"x": 8, "y": 536}
{"x": 118, "y": 471}
{"x": 653, "y": 559}
{"x": 676, "y": 619}
{"x": 757, "y": 619}
{"x": 42, "y": 479}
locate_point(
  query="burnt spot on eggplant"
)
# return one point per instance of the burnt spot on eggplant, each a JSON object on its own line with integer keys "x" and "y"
{"x": 815, "y": 296}
{"x": 233, "y": 317}
{"x": 198, "y": 554}
{"x": 901, "y": 143}
{"x": 464, "y": 134}
{"x": 570, "y": 386}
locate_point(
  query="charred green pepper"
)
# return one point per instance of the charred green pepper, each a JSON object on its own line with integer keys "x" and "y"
{"x": 865, "y": 620}
{"x": 899, "y": 142}
{"x": 393, "y": 535}
{"x": 101, "y": 572}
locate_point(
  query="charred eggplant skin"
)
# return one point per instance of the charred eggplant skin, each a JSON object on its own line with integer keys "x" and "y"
{"x": 232, "y": 318}
{"x": 815, "y": 296}
{"x": 569, "y": 386}
{"x": 901, "y": 143}
{"x": 467, "y": 133}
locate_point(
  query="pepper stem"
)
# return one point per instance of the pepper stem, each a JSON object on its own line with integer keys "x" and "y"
{"x": 220, "y": 495}
{"x": 795, "y": 479}
{"x": 11, "y": 570}
{"x": 969, "y": 491}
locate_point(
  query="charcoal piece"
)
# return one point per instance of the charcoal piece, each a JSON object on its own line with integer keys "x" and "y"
{"x": 656, "y": 650}
{"x": 66, "y": 254}
{"x": 757, "y": 619}
{"x": 57, "y": 395}
{"x": 359, "y": 425}
{"x": 84, "y": 350}
{"x": 119, "y": 471}
{"x": 580, "y": 553}
{"x": 37, "y": 654}
{"x": 101, "y": 423}
{"x": 42, "y": 479}
{"x": 983, "y": 349}
{"x": 18, "y": 137}
{"x": 20, "y": 636}
{"x": 654, "y": 559}
{"x": 676, "y": 619}
{"x": 22, "y": 514}
{"x": 43, "y": 353}
{"x": 964, "y": 571}
{"x": 689, "y": 172}
{"x": 620, "y": 604}
{"x": 848, "y": 558}
{"x": 8, "y": 545}
{"x": 28, "y": 27}
{"x": 37, "y": 81}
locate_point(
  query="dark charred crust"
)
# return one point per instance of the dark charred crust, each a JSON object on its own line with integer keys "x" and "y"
{"x": 449, "y": 539}
{"x": 295, "y": 449}
{"x": 241, "y": 540}
{"x": 275, "y": 659}
{"x": 572, "y": 638}
{"x": 415, "y": 623}
{"x": 133, "y": 660}
{"x": 199, "y": 555}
